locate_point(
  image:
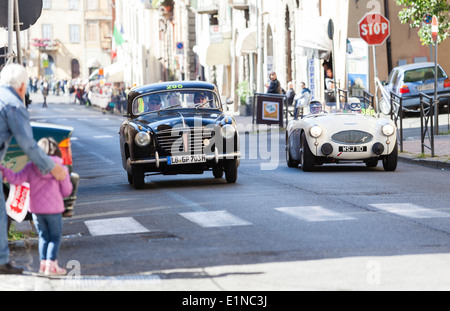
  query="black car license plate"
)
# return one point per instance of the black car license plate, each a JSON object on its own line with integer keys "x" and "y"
{"x": 187, "y": 159}
{"x": 352, "y": 148}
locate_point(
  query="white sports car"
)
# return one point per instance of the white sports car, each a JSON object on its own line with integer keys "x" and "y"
{"x": 351, "y": 134}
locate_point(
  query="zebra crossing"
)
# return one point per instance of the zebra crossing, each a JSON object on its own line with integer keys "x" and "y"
{"x": 220, "y": 219}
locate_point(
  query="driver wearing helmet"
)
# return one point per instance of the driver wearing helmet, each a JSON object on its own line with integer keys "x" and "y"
{"x": 200, "y": 98}
{"x": 354, "y": 105}
{"x": 153, "y": 103}
{"x": 315, "y": 107}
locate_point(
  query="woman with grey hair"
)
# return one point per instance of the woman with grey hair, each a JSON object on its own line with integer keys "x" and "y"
{"x": 15, "y": 122}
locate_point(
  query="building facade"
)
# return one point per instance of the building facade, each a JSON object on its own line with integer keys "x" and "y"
{"x": 70, "y": 39}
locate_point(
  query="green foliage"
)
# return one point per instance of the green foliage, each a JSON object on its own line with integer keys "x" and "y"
{"x": 243, "y": 90}
{"x": 414, "y": 12}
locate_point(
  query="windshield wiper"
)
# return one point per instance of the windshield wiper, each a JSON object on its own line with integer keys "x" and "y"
{"x": 202, "y": 104}
{"x": 179, "y": 105}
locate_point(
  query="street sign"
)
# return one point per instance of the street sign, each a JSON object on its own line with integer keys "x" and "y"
{"x": 434, "y": 28}
{"x": 374, "y": 28}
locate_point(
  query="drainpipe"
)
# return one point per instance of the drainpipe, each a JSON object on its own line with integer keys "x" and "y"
{"x": 388, "y": 41}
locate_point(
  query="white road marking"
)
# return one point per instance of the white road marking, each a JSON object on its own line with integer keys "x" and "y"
{"x": 313, "y": 213}
{"x": 215, "y": 219}
{"x": 410, "y": 210}
{"x": 114, "y": 226}
{"x": 102, "y": 136}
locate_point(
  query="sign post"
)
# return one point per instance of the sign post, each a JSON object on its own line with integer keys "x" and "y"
{"x": 434, "y": 34}
{"x": 374, "y": 28}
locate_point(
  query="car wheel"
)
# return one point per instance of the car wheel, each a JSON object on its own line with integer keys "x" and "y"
{"x": 230, "y": 168}
{"x": 390, "y": 161}
{"x": 308, "y": 159}
{"x": 289, "y": 161}
{"x": 217, "y": 171}
{"x": 137, "y": 177}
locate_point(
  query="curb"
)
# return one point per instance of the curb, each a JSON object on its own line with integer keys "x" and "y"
{"x": 436, "y": 164}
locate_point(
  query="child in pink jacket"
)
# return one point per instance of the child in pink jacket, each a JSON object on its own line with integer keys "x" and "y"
{"x": 46, "y": 205}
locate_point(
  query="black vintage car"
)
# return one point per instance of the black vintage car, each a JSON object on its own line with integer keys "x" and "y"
{"x": 178, "y": 128}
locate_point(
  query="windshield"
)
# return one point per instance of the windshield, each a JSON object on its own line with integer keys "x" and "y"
{"x": 152, "y": 102}
{"x": 421, "y": 74}
{"x": 353, "y": 106}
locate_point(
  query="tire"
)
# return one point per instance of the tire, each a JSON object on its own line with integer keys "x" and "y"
{"x": 390, "y": 161}
{"x": 137, "y": 177}
{"x": 308, "y": 160}
{"x": 217, "y": 171}
{"x": 230, "y": 168}
{"x": 289, "y": 161}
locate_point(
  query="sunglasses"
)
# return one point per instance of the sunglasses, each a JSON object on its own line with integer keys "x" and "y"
{"x": 154, "y": 103}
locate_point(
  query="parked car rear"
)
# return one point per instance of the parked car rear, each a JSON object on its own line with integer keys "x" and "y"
{"x": 408, "y": 81}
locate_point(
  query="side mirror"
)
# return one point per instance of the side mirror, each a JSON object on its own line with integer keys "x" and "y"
{"x": 229, "y": 101}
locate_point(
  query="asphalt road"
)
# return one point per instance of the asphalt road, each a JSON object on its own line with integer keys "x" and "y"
{"x": 344, "y": 227}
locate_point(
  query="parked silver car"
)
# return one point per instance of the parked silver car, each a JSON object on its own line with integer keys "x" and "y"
{"x": 408, "y": 81}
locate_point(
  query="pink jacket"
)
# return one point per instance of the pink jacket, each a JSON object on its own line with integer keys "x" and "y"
{"x": 46, "y": 193}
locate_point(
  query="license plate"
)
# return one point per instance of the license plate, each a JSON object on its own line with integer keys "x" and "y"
{"x": 425, "y": 87}
{"x": 187, "y": 159}
{"x": 352, "y": 148}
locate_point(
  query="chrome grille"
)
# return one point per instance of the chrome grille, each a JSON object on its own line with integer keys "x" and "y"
{"x": 352, "y": 137}
{"x": 184, "y": 140}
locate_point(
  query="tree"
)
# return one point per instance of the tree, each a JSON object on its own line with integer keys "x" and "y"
{"x": 416, "y": 11}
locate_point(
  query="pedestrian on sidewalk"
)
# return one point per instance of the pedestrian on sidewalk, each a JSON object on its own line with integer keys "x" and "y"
{"x": 274, "y": 87}
{"x": 15, "y": 122}
{"x": 46, "y": 205}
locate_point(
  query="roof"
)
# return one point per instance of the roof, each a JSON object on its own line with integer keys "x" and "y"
{"x": 165, "y": 86}
{"x": 415, "y": 66}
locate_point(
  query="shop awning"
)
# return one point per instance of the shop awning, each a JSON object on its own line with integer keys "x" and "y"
{"x": 214, "y": 54}
{"x": 246, "y": 42}
{"x": 112, "y": 73}
{"x": 312, "y": 39}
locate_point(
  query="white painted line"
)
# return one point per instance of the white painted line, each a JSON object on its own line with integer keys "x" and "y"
{"x": 114, "y": 226}
{"x": 102, "y": 136}
{"x": 313, "y": 213}
{"x": 215, "y": 219}
{"x": 410, "y": 210}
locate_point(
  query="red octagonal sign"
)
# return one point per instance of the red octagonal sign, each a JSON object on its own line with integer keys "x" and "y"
{"x": 374, "y": 28}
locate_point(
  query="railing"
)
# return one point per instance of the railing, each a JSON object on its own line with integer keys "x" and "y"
{"x": 426, "y": 116}
{"x": 396, "y": 114}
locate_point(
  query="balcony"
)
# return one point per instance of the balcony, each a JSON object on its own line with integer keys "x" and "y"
{"x": 240, "y": 4}
{"x": 205, "y": 6}
{"x": 46, "y": 44}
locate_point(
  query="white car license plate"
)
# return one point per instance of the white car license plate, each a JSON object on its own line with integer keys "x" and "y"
{"x": 187, "y": 159}
{"x": 425, "y": 87}
{"x": 352, "y": 148}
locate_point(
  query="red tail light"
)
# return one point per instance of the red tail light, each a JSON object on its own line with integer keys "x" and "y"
{"x": 447, "y": 83}
{"x": 404, "y": 89}
{"x": 66, "y": 151}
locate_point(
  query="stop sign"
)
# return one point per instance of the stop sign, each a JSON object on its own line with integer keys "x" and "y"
{"x": 374, "y": 28}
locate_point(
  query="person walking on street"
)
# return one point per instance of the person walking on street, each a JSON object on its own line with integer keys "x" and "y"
{"x": 45, "y": 92}
{"x": 15, "y": 122}
{"x": 46, "y": 205}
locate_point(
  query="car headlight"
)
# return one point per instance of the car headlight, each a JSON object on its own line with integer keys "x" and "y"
{"x": 315, "y": 131}
{"x": 388, "y": 130}
{"x": 228, "y": 131}
{"x": 142, "y": 139}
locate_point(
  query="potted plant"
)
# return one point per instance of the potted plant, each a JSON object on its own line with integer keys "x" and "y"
{"x": 243, "y": 91}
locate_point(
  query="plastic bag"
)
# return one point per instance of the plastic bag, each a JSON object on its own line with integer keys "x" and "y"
{"x": 18, "y": 201}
